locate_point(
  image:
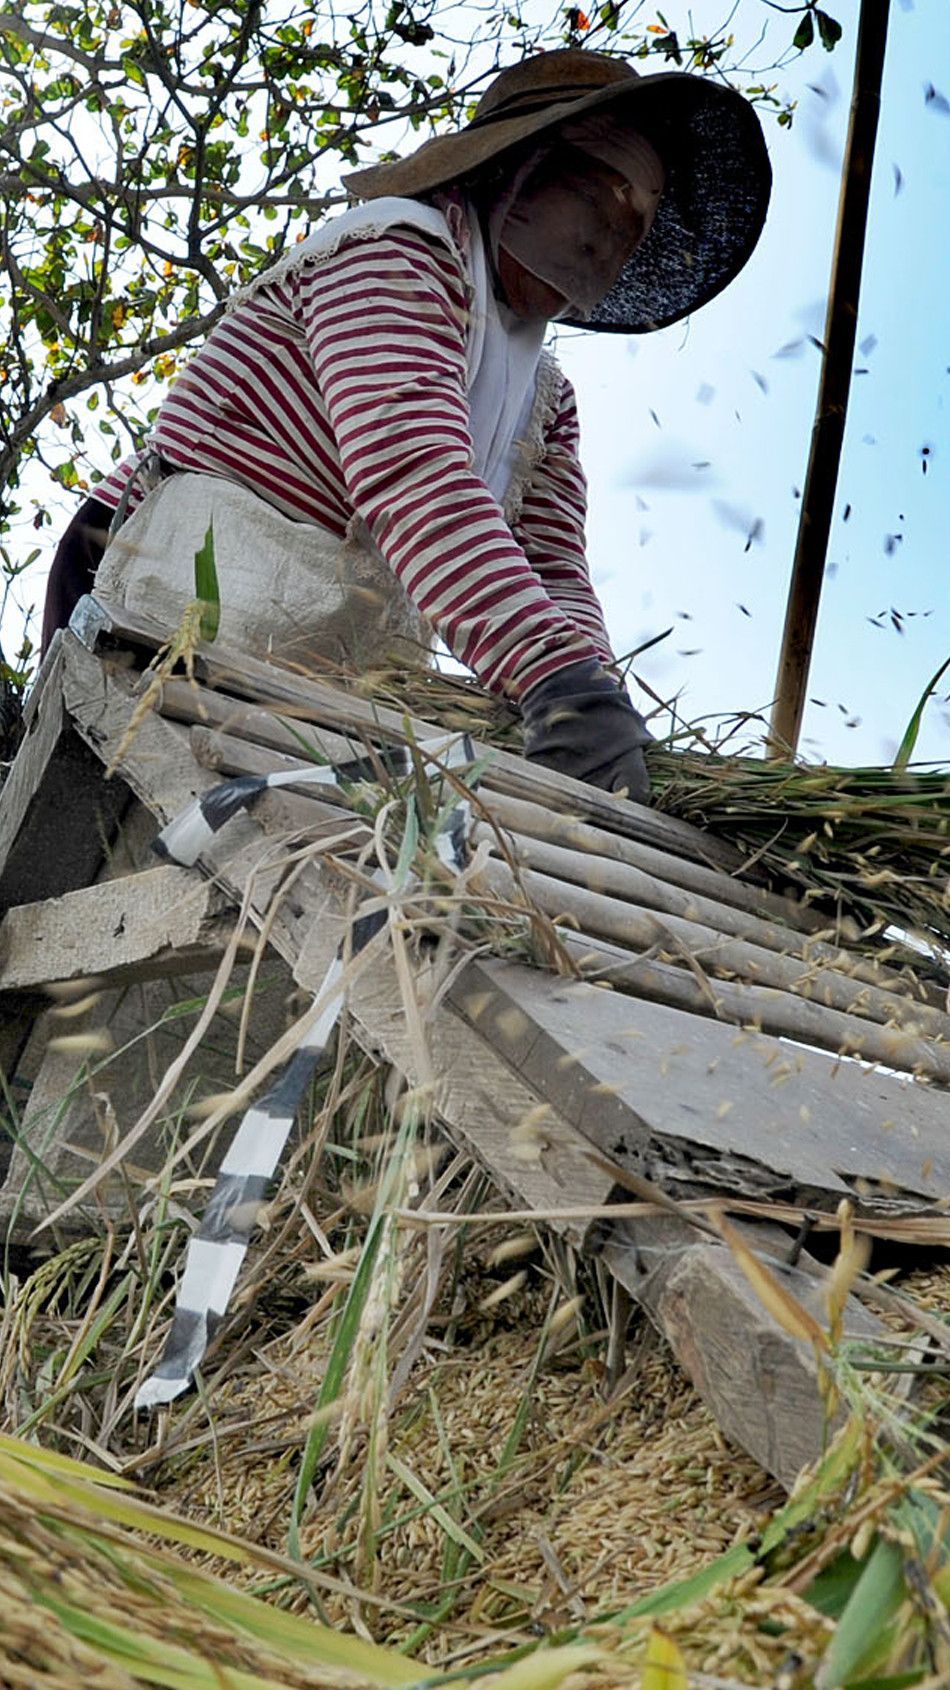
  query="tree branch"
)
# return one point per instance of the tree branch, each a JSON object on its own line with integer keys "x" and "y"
{"x": 59, "y": 391}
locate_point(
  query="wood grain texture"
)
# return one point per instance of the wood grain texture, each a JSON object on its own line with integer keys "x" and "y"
{"x": 137, "y": 927}
{"x": 761, "y": 1385}
{"x": 250, "y": 852}
{"x": 57, "y": 814}
{"x": 659, "y": 1089}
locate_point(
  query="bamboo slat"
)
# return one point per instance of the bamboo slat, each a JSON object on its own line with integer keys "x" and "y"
{"x": 777, "y": 1005}
{"x": 305, "y": 699}
{"x": 537, "y": 822}
{"x": 636, "y": 886}
{"x": 625, "y": 924}
{"x": 763, "y": 1008}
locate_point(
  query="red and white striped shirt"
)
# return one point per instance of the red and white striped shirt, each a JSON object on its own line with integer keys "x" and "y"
{"x": 340, "y": 389}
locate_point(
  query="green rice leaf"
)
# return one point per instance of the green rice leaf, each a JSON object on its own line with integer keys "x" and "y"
{"x": 548, "y": 1668}
{"x": 206, "y": 587}
{"x": 334, "y": 1377}
{"x": 863, "y": 1635}
{"x": 48, "y": 1462}
{"x": 58, "y": 1490}
{"x": 906, "y": 748}
{"x": 299, "y": 1639}
{"x": 151, "y": 1661}
{"x": 451, "y": 1527}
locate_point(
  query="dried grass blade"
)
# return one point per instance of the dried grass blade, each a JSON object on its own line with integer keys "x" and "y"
{"x": 790, "y": 1314}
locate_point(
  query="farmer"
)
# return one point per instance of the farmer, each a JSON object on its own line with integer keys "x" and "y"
{"x": 375, "y": 432}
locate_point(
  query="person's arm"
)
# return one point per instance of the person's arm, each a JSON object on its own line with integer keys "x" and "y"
{"x": 385, "y": 324}
{"x": 550, "y": 526}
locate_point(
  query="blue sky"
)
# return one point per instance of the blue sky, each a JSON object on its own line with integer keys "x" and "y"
{"x": 735, "y": 390}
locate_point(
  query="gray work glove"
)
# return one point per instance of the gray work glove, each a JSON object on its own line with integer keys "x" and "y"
{"x": 580, "y": 722}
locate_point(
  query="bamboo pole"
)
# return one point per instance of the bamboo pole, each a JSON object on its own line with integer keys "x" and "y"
{"x": 712, "y": 952}
{"x": 647, "y": 892}
{"x": 690, "y": 916}
{"x": 821, "y": 479}
{"x": 538, "y": 822}
{"x": 767, "y": 1009}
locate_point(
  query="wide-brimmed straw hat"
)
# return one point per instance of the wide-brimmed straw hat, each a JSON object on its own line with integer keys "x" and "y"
{"x": 713, "y": 206}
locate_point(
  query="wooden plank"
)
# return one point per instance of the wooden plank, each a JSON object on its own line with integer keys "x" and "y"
{"x": 160, "y": 769}
{"x": 534, "y": 1155}
{"x": 693, "y": 1102}
{"x": 57, "y": 814}
{"x": 161, "y": 921}
{"x": 761, "y": 1385}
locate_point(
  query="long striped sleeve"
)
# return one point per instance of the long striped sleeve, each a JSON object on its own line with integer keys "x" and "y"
{"x": 550, "y": 526}
{"x": 386, "y": 331}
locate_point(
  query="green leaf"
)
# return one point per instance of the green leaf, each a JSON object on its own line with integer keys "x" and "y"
{"x": 57, "y": 1466}
{"x": 829, "y": 29}
{"x": 862, "y": 1637}
{"x": 334, "y": 1377}
{"x": 805, "y": 33}
{"x": 906, "y": 748}
{"x": 206, "y": 587}
{"x": 443, "y": 1518}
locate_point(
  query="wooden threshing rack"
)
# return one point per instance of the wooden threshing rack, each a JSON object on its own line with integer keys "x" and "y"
{"x": 714, "y": 1067}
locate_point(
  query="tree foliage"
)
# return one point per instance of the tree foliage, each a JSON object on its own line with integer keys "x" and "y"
{"x": 155, "y": 154}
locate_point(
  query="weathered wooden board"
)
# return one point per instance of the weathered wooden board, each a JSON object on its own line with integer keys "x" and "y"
{"x": 137, "y": 927}
{"x": 57, "y": 814}
{"x": 658, "y": 1088}
{"x": 160, "y": 769}
{"x": 76, "y": 1106}
{"x": 761, "y": 1385}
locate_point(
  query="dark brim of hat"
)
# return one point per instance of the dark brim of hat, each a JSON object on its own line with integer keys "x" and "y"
{"x": 710, "y": 214}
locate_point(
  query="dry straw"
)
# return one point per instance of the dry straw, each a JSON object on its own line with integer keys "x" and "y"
{"x": 431, "y": 1416}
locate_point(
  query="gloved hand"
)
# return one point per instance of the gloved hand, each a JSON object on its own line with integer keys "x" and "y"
{"x": 581, "y": 723}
